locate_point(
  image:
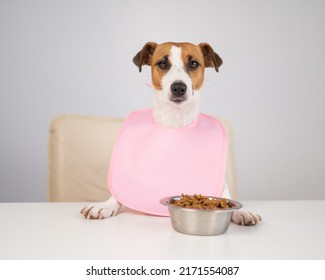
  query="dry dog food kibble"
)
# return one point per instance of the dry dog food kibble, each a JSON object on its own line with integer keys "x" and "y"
{"x": 199, "y": 201}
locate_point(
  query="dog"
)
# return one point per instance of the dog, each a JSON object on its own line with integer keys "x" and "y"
{"x": 177, "y": 71}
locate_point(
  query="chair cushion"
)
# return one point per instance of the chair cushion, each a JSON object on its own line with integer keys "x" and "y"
{"x": 79, "y": 152}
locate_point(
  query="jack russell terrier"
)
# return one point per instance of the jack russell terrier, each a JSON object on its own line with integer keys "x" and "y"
{"x": 177, "y": 76}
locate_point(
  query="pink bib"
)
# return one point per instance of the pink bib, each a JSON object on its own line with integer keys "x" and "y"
{"x": 150, "y": 162}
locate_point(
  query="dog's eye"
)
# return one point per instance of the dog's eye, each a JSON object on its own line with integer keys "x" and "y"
{"x": 193, "y": 65}
{"x": 162, "y": 64}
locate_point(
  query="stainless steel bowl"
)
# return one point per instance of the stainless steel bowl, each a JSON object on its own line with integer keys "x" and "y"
{"x": 199, "y": 221}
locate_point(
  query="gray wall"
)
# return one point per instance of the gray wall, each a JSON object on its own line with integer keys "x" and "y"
{"x": 59, "y": 57}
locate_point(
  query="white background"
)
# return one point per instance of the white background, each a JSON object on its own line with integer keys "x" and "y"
{"x": 62, "y": 57}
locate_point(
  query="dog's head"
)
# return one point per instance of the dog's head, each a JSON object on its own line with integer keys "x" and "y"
{"x": 177, "y": 68}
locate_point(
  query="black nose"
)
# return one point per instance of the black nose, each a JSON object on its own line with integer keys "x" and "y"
{"x": 178, "y": 89}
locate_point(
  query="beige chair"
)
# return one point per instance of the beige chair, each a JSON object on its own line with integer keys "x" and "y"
{"x": 80, "y": 148}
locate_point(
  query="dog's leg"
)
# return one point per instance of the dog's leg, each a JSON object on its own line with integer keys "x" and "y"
{"x": 242, "y": 216}
{"x": 102, "y": 210}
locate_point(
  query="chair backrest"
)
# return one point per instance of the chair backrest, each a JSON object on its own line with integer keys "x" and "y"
{"x": 80, "y": 148}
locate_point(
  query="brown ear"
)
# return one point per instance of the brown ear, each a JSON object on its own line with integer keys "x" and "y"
{"x": 143, "y": 57}
{"x": 211, "y": 59}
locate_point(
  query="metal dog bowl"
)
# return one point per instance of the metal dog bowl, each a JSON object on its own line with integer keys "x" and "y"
{"x": 199, "y": 221}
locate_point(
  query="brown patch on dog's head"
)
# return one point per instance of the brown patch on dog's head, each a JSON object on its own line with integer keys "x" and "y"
{"x": 194, "y": 64}
{"x": 160, "y": 64}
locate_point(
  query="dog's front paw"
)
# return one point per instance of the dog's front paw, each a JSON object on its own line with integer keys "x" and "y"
{"x": 245, "y": 218}
{"x": 100, "y": 210}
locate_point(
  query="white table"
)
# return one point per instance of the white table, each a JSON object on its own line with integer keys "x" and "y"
{"x": 290, "y": 230}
